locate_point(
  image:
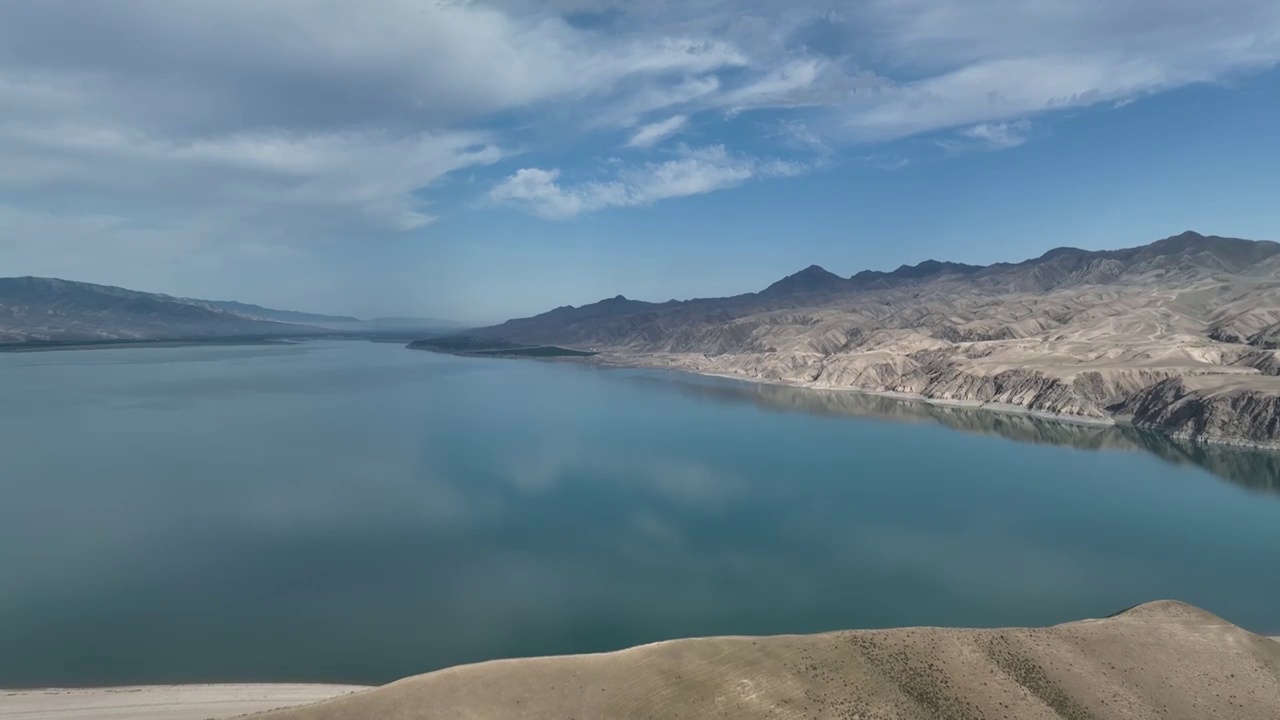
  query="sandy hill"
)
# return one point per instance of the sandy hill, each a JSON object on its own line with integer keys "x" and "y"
{"x": 1161, "y": 660}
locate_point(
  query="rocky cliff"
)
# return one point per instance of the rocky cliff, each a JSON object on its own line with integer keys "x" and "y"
{"x": 1210, "y": 413}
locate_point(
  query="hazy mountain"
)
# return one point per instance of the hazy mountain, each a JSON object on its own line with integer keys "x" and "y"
{"x": 1181, "y": 260}
{"x": 928, "y": 269}
{"x": 412, "y": 323}
{"x": 1086, "y": 333}
{"x": 285, "y": 316}
{"x": 36, "y": 310}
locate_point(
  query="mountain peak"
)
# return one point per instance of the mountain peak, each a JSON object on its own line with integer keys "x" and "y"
{"x": 814, "y": 278}
{"x": 928, "y": 268}
{"x": 1059, "y": 252}
{"x": 813, "y": 272}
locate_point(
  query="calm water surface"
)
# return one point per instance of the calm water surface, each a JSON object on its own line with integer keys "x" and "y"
{"x": 359, "y": 512}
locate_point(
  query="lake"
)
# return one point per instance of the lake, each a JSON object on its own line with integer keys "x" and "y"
{"x": 357, "y": 512}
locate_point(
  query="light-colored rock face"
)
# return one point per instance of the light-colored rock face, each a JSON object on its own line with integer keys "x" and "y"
{"x": 1163, "y": 660}
{"x": 1073, "y": 333}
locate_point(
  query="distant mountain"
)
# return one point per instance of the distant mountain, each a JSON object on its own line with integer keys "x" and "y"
{"x": 929, "y": 269}
{"x": 34, "y": 310}
{"x": 49, "y": 310}
{"x": 1183, "y": 258}
{"x": 336, "y": 322}
{"x": 412, "y": 323}
{"x": 1182, "y": 334}
{"x": 285, "y": 316}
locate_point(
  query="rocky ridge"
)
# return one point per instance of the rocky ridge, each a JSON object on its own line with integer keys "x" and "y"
{"x": 1180, "y": 335}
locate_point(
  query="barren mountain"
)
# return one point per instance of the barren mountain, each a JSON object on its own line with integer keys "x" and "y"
{"x": 1161, "y": 660}
{"x": 1179, "y": 335}
{"x": 294, "y": 317}
{"x": 36, "y": 310}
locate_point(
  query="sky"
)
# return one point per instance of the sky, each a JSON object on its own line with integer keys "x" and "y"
{"x": 478, "y": 160}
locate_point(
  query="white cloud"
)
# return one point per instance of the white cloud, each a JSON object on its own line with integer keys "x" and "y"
{"x": 651, "y": 98}
{"x": 998, "y": 136}
{"x": 694, "y": 172}
{"x": 300, "y": 118}
{"x": 1003, "y": 60}
{"x": 323, "y": 120}
{"x": 997, "y": 91}
{"x": 654, "y": 133}
{"x": 789, "y": 85}
{"x": 292, "y": 62}
{"x": 358, "y": 182}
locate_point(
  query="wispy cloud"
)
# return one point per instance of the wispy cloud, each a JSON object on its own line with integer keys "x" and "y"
{"x": 997, "y": 136}
{"x": 654, "y": 133}
{"x": 331, "y": 134}
{"x": 336, "y": 120}
{"x": 885, "y": 162}
{"x": 694, "y": 172}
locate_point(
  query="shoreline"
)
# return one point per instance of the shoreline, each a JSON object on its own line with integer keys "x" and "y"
{"x": 1204, "y": 650}
{"x": 606, "y": 359}
{"x": 999, "y": 408}
{"x": 17, "y": 348}
{"x": 190, "y": 701}
{"x": 194, "y": 701}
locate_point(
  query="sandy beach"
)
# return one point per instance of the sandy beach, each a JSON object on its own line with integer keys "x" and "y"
{"x": 162, "y": 702}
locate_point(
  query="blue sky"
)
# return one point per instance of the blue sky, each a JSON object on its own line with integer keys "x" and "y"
{"x": 479, "y": 160}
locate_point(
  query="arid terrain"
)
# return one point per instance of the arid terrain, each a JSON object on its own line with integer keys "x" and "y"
{"x": 1181, "y": 335}
{"x": 1161, "y": 660}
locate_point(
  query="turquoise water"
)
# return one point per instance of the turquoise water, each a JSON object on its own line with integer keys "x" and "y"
{"x": 358, "y": 512}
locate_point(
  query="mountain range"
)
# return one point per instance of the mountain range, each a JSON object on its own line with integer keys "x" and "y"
{"x": 1180, "y": 334}
{"x": 37, "y": 310}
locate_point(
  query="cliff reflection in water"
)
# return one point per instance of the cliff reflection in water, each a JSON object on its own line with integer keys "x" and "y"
{"x": 1256, "y": 470}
